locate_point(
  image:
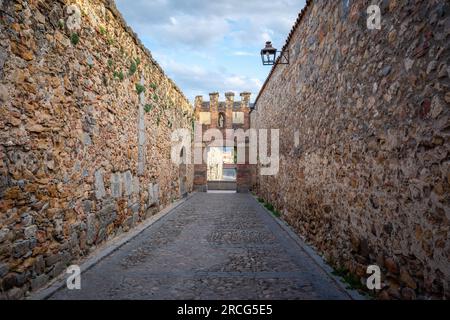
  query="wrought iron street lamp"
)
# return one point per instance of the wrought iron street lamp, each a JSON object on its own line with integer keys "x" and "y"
{"x": 269, "y": 55}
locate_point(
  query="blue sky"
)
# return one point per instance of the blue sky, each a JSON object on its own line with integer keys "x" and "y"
{"x": 211, "y": 45}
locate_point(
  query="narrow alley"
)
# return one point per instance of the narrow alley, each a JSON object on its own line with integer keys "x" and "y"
{"x": 212, "y": 246}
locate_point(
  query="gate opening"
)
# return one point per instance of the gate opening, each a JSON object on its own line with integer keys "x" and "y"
{"x": 221, "y": 169}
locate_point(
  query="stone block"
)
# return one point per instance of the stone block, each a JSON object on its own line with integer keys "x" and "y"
{"x": 86, "y": 139}
{"x": 99, "y": 185}
{"x": 39, "y": 265}
{"x": 87, "y": 204}
{"x": 21, "y": 248}
{"x": 9, "y": 281}
{"x": 101, "y": 235}
{"x": 151, "y": 196}
{"x": 116, "y": 185}
{"x": 136, "y": 186}
{"x": 66, "y": 257}
{"x": 128, "y": 183}
{"x": 156, "y": 193}
{"x": 5, "y": 250}
{"x": 107, "y": 214}
{"x": 135, "y": 218}
{"x": 3, "y": 234}
{"x": 91, "y": 229}
{"x": 22, "y": 277}
{"x": 30, "y": 232}
{"x": 3, "y": 269}
{"x": 135, "y": 207}
{"x": 57, "y": 270}
{"x": 52, "y": 259}
{"x": 15, "y": 293}
{"x": 128, "y": 222}
{"x": 39, "y": 281}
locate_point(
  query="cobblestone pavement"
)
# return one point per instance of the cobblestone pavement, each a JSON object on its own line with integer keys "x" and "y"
{"x": 213, "y": 246}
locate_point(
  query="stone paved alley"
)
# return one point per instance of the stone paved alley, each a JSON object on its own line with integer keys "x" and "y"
{"x": 213, "y": 246}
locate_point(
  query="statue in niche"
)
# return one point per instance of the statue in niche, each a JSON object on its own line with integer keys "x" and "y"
{"x": 221, "y": 120}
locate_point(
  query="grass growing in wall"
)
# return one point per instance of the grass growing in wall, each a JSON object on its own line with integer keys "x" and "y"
{"x": 133, "y": 68}
{"x": 118, "y": 75}
{"x": 270, "y": 207}
{"x": 352, "y": 281}
{"x": 74, "y": 38}
{"x": 139, "y": 88}
{"x": 148, "y": 108}
{"x": 102, "y": 30}
{"x": 275, "y": 212}
{"x": 153, "y": 86}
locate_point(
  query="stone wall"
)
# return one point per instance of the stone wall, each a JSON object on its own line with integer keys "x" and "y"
{"x": 364, "y": 125}
{"x": 83, "y": 156}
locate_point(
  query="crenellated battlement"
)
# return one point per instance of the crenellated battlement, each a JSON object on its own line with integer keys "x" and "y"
{"x": 226, "y": 114}
{"x": 214, "y": 102}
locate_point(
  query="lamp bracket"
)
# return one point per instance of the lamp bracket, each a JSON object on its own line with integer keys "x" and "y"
{"x": 284, "y": 57}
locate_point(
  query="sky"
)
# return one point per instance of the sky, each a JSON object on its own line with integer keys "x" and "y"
{"x": 211, "y": 45}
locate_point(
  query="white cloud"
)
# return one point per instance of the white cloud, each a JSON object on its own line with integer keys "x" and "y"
{"x": 204, "y": 22}
{"x": 185, "y": 30}
{"x": 200, "y": 43}
{"x": 199, "y": 80}
{"x": 243, "y": 54}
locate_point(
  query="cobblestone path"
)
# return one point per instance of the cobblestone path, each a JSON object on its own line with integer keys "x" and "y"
{"x": 213, "y": 246}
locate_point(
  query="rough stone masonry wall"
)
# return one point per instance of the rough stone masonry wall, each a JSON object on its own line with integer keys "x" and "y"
{"x": 83, "y": 157}
{"x": 368, "y": 181}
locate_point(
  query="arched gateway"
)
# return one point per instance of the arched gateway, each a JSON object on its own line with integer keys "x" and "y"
{"x": 221, "y": 171}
